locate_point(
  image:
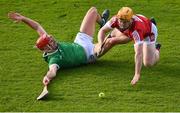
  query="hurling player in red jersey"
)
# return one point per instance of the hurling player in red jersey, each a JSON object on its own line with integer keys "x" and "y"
{"x": 125, "y": 27}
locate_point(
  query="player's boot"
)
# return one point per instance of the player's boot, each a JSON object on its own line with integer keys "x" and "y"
{"x": 153, "y": 20}
{"x": 158, "y": 46}
{"x": 105, "y": 16}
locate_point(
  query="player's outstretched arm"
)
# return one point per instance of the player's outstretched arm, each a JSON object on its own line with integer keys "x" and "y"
{"x": 50, "y": 74}
{"x": 33, "y": 24}
{"x": 138, "y": 63}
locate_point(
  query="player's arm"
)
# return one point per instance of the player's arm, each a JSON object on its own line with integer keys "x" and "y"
{"x": 33, "y": 24}
{"x": 138, "y": 62}
{"x": 101, "y": 37}
{"x": 102, "y": 32}
{"x": 112, "y": 41}
{"x": 50, "y": 74}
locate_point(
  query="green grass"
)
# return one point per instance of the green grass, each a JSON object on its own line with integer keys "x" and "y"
{"x": 77, "y": 89}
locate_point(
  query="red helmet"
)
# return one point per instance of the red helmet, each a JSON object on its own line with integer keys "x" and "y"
{"x": 42, "y": 41}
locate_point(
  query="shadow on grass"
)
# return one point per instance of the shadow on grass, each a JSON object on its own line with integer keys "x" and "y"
{"x": 151, "y": 77}
{"x": 100, "y": 66}
{"x": 106, "y": 68}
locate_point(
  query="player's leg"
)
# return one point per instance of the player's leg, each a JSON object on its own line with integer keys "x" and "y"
{"x": 90, "y": 19}
{"x": 150, "y": 54}
{"x": 150, "y": 51}
{"x": 87, "y": 29}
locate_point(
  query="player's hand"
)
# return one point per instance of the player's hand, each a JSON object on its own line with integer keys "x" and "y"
{"x": 16, "y": 17}
{"x": 98, "y": 49}
{"x": 46, "y": 80}
{"x": 135, "y": 79}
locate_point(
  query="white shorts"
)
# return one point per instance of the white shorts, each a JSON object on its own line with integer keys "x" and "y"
{"x": 148, "y": 39}
{"x": 86, "y": 42}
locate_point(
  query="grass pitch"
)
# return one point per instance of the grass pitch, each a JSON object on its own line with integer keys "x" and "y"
{"x": 77, "y": 89}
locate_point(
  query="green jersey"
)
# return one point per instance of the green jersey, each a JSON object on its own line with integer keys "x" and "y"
{"x": 67, "y": 55}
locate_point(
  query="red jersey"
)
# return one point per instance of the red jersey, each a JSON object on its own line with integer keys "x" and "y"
{"x": 140, "y": 28}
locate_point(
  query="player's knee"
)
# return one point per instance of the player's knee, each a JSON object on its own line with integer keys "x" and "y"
{"x": 93, "y": 10}
{"x": 148, "y": 63}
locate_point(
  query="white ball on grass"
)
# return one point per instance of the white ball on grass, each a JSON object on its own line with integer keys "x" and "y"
{"x": 101, "y": 95}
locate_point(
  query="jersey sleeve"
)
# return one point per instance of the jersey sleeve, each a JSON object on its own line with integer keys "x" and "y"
{"x": 137, "y": 37}
{"x": 54, "y": 61}
{"x": 113, "y": 23}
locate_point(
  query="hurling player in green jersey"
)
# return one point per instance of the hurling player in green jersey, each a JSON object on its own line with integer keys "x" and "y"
{"x": 62, "y": 54}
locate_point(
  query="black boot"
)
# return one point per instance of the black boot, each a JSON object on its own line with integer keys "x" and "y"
{"x": 153, "y": 20}
{"x": 105, "y": 16}
{"x": 158, "y": 46}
